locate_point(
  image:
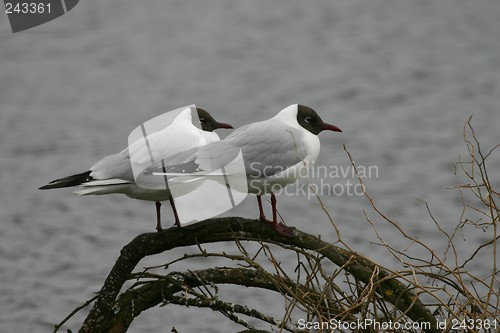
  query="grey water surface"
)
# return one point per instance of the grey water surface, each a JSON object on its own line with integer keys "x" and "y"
{"x": 400, "y": 77}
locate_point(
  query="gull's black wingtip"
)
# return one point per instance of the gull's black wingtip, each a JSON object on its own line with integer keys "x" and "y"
{"x": 69, "y": 181}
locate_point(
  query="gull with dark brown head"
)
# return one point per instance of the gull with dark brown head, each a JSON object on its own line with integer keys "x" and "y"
{"x": 276, "y": 152}
{"x": 114, "y": 173}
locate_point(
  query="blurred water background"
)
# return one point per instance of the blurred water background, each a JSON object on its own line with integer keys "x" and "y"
{"x": 400, "y": 77}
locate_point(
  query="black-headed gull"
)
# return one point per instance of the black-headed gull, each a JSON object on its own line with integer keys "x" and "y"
{"x": 276, "y": 152}
{"x": 114, "y": 173}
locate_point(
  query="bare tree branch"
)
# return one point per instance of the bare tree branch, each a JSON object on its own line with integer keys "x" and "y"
{"x": 381, "y": 281}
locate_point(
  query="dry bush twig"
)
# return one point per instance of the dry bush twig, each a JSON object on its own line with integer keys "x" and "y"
{"x": 472, "y": 300}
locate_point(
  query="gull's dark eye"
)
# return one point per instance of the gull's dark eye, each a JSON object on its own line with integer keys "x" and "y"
{"x": 308, "y": 119}
{"x": 202, "y": 120}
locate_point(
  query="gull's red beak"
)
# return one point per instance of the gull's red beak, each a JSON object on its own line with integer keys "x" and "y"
{"x": 329, "y": 127}
{"x": 224, "y": 125}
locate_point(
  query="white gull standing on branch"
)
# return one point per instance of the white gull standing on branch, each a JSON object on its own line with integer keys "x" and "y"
{"x": 115, "y": 174}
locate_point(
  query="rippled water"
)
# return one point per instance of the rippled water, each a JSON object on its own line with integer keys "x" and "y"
{"x": 399, "y": 77}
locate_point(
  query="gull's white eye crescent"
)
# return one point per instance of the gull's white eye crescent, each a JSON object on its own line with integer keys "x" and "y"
{"x": 202, "y": 120}
{"x": 307, "y": 119}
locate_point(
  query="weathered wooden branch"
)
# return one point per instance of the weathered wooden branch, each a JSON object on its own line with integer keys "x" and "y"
{"x": 103, "y": 316}
{"x": 162, "y": 291}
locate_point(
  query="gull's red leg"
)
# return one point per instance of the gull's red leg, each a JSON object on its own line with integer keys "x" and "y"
{"x": 158, "y": 216}
{"x": 262, "y": 216}
{"x": 278, "y": 226}
{"x": 273, "y": 207}
{"x": 177, "y": 221}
